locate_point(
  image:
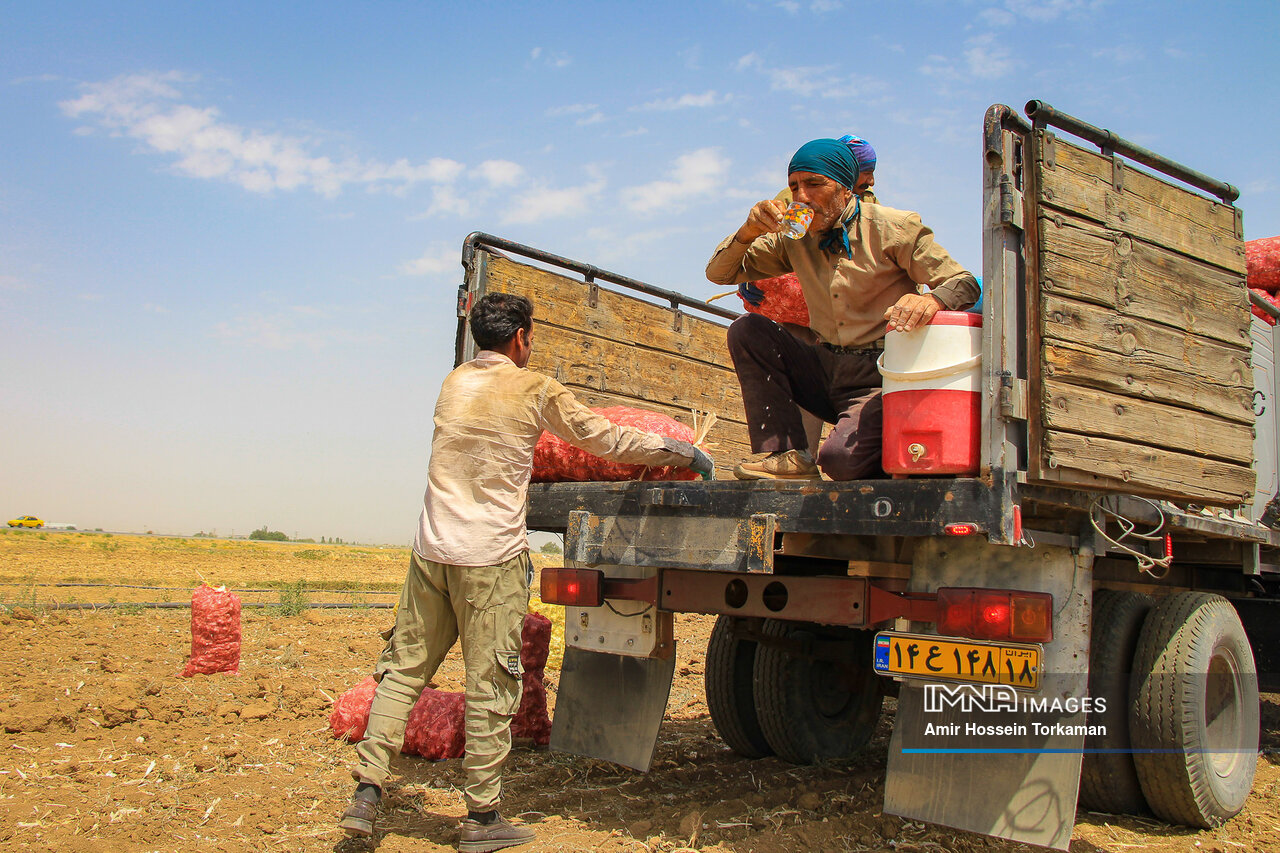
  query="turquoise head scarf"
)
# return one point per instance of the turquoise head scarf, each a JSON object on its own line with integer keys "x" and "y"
{"x": 832, "y": 159}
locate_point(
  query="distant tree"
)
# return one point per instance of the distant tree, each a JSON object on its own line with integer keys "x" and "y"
{"x": 268, "y": 535}
{"x": 551, "y": 548}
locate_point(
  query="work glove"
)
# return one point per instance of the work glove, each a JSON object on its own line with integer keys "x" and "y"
{"x": 750, "y": 293}
{"x": 703, "y": 464}
{"x": 699, "y": 461}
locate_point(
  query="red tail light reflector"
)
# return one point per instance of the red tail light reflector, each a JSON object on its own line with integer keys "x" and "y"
{"x": 996, "y": 614}
{"x": 960, "y": 529}
{"x": 572, "y": 587}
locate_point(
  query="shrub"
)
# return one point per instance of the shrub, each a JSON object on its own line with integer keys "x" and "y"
{"x": 268, "y": 535}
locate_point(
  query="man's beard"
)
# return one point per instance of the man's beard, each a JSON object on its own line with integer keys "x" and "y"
{"x": 826, "y": 218}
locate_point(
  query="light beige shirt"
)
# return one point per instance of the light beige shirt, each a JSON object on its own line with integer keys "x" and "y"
{"x": 893, "y": 251}
{"x": 487, "y": 420}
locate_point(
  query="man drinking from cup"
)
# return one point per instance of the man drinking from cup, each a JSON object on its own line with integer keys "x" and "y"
{"x": 858, "y": 267}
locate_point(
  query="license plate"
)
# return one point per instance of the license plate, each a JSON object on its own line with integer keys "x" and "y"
{"x": 946, "y": 659}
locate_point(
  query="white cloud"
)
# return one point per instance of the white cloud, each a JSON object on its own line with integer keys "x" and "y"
{"x": 435, "y": 260}
{"x": 706, "y": 99}
{"x": 823, "y": 6}
{"x": 555, "y": 60}
{"x": 282, "y": 331}
{"x": 148, "y": 108}
{"x": 153, "y": 308}
{"x": 997, "y": 17}
{"x": 812, "y": 80}
{"x": 500, "y": 173}
{"x": 13, "y": 284}
{"x": 987, "y": 57}
{"x": 1121, "y": 54}
{"x": 571, "y": 109}
{"x": 594, "y": 118}
{"x": 790, "y": 6}
{"x": 1051, "y": 10}
{"x": 696, "y": 173}
{"x": 543, "y": 203}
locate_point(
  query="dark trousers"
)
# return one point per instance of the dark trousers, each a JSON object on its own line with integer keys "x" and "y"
{"x": 781, "y": 375}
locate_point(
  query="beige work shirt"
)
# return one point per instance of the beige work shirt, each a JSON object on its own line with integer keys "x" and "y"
{"x": 893, "y": 251}
{"x": 487, "y": 420}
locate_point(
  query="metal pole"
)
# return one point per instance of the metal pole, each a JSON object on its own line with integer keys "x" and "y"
{"x": 476, "y": 239}
{"x": 1042, "y": 114}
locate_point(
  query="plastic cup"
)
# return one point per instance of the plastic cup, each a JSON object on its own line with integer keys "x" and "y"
{"x": 796, "y": 219}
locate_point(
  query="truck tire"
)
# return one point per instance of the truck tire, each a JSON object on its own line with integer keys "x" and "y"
{"x": 1109, "y": 780}
{"x": 815, "y": 710}
{"x": 730, "y": 663}
{"x": 1195, "y": 715}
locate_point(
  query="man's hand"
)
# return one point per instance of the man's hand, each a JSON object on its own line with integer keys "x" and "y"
{"x": 703, "y": 464}
{"x": 912, "y": 311}
{"x": 765, "y": 218}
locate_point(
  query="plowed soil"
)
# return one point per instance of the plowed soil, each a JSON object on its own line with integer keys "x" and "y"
{"x": 106, "y": 748}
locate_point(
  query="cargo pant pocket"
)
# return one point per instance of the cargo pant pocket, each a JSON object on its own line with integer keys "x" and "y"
{"x": 501, "y": 695}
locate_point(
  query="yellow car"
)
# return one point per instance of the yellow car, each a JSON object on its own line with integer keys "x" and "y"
{"x": 26, "y": 521}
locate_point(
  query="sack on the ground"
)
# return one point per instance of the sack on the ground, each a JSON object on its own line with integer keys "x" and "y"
{"x": 783, "y": 300}
{"x": 557, "y": 461}
{"x": 1262, "y": 259}
{"x": 531, "y": 721}
{"x": 215, "y": 631}
{"x": 436, "y": 728}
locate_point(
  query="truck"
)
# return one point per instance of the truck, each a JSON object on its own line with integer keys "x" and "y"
{"x": 1086, "y": 619}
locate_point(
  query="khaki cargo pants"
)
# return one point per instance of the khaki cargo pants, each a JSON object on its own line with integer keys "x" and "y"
{"x": 485, "y": 606}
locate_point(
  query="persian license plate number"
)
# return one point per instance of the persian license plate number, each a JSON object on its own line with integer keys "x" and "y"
{"x": 943, "y": 658}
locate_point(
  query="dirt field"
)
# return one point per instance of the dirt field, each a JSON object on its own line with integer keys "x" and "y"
{"x": 107, "y": 749}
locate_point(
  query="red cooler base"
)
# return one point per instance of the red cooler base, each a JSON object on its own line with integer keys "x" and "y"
{"x": 931, "y": 432}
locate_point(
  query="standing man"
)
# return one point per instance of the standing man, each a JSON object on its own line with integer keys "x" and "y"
{"x": 859, "y": 266}
{"x": 469, "y": 572}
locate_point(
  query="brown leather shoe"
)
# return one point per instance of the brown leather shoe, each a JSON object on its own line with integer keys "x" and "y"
{"x": 785, "y": 465}
{"x": 359, "y": 818}
{"x": 486, "y": 837}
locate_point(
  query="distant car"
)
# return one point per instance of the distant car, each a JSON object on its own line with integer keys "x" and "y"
{"x": 26, "y": 521}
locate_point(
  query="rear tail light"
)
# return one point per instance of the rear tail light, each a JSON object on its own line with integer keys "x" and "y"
{"x": 572, "y": 587}
{"x": 960, "y": 528}
{"x": 996, "y": 614}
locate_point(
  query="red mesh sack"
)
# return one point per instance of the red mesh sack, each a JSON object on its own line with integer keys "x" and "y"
{"x": 532, "y": 720}
{"x": 215, "y": 631}
{"x": 436, "y": 726}
{"x": 783, "y": 300}
{"x": 350, "y": 714}
{"x": 1262, "y": 259}
{"x": 1273, "y": 298}
{"x": 557, "y": 461}
{"x": 436, "y": 729}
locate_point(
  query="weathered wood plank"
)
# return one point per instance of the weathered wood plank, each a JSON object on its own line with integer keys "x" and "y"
{"x": 1085, "y": 261}
{"x": 1095, "y": 327}
{"x": 1149, "y": 377}
{"x": 563, "y": 302}
{"x": 1148, "y": 207}
{"x": 1140, "y": 470}
{"x": 1084, "y": 410}
{"x": 618, "y": 367}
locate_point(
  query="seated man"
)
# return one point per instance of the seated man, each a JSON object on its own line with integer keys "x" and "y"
{"x": 858, "y": 267}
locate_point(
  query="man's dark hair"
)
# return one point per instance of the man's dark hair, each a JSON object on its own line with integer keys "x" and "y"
{"x": 497, "y": 317}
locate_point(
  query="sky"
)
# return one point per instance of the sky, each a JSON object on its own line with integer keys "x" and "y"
{"x": 230, "y": 233}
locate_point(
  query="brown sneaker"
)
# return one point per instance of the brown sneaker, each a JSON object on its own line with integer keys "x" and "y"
{"x": 486, "y": 837}
{"x": 783, "y": 465}
{"x": 359, "y": 817}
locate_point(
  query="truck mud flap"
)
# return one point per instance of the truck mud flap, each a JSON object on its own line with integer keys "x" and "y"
{"x": 610, "y": 706}
{"x": 1019, "y": 781}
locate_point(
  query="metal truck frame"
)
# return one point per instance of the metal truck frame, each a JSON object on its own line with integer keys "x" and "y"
{"x": 1112, "y": 545}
